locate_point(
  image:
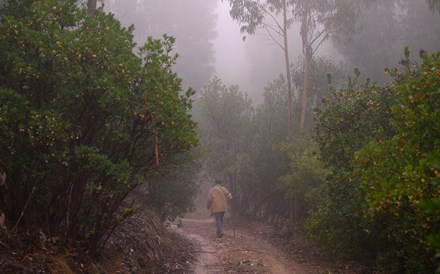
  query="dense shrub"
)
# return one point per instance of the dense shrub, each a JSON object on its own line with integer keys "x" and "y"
{"x": 84, "y": 120}
{"x": 382, "y": 145}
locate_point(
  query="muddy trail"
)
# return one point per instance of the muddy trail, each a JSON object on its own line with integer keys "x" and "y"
{"x": 189, "y": 245}
{"x": 250, "y": 246}
{"x": 253, "y": 247}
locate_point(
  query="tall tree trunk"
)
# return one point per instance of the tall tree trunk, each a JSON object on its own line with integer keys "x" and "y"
{"x": 306, "y": 65}
{"x": 91, "y": 7}
{"x": 288, "y": 74}
{"x": 290, "y": 99}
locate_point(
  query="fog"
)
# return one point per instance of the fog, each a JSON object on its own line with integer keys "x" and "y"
{"x": 230, "y": 53}
{"x": 251, "y": 64}
{"x": 209, "y": 42}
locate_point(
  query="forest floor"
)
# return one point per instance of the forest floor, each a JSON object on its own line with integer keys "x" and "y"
{"x": 254, "y": 247}
{"x": 142, "y": 245}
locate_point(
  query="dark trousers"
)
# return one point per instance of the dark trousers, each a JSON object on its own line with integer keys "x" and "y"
{"x": 219, "y": 223}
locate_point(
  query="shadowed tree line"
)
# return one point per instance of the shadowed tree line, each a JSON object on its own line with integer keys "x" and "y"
{"x": 363, "y": 170}
{"x": 85, "y": 120}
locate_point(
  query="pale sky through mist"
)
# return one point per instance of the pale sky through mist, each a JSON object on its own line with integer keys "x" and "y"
{"x": 233, "y": 56}
{"x": 231, "y": 64}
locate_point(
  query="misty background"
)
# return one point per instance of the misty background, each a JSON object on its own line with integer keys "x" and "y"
{"x": 209, "y": 42}
{"x": 93, "y": 105}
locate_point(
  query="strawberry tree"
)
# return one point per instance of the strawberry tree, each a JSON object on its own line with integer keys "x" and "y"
{"x": 85, "y": 120}
{"x": 399, "y": 173}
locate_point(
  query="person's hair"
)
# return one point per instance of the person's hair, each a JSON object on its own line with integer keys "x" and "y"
{"x": 218, "y": 181}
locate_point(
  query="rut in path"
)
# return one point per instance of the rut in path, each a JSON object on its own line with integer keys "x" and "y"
{"x": 237, "y": 252}
{"x": 247, "y": 247}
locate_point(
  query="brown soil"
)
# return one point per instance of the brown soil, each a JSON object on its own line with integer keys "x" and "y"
{"x": 143, "y": 245}
{"x": 253, "y": 247}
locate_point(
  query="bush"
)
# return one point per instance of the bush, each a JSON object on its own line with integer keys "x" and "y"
{"x": 382, "y": 145}
{"x": 84, "y": 119}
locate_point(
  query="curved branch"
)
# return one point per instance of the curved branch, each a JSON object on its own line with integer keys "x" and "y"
{"x": 320, "y": 43}
{"x": 273, "y": 38}
{"x": 273, "y": 17}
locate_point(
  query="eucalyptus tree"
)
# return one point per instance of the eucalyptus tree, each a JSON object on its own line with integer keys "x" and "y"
{"x": 253, "y": 14}
{"x": 91, "y": 6}
{"x": 319, "y": 20}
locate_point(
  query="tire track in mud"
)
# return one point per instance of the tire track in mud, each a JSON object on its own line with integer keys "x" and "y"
{"x": 237, "y": 252}
{"x": 206, "y": 261}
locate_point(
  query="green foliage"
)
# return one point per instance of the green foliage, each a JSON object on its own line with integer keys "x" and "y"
{"x": 382, "y": 145}
{"x": 239, "y": 146}
{"x": 82, "y": 117}
{"x": 270, "y": 128}
{"x": 175, "y": 191}
{"x": 399, "y": 172}
{"x": 320, "y": 70}
{"x": 305, "y": 173}
{"x": 351, "y": 118}
{"x": 431, "y": 208}
{"x": 226, "y": 126}
{"x": 226, "y": 114}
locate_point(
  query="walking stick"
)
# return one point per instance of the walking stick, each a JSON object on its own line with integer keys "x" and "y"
{"x": 233, "y": 225}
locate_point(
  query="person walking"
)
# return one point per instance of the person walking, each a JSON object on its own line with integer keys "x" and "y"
{"x": 218, "y": 198}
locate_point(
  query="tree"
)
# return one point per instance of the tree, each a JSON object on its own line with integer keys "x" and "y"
{"x": 379, "y": 143}
{"x": 83, "y": 119}
{"x": 350, "y": 118}
{"x": 323, "y": 73}
{"x": 253, "y": 14}
{"x": 91, "y": 7}
{"x": 266, "y": 200}
{"x": 319, "y": 21}
{"x": 225, "y": 122}
{"x": 305, "y": 174}
{"x": 400, "y": 172}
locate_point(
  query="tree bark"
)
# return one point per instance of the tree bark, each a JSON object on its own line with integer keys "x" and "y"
{"x": 91, "y": 7}
{"x": 288, "y": 75}
{"x": 290, "y": 99}
{"x": 306, "y": 66}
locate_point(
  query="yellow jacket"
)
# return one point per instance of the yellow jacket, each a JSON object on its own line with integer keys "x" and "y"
{"x": 218, "y": 198}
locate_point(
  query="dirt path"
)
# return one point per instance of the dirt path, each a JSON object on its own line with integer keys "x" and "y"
{"x": 238, "y": 251}
{"x": 245, "y": 248}
{"x": 251, "y": 247}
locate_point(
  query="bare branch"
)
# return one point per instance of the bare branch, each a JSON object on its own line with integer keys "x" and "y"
{"x": 320, "y": 43}
{"x": 273, "y": 18}
{"x": 319, "y": 34}
{"x": 273, "y": 38}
